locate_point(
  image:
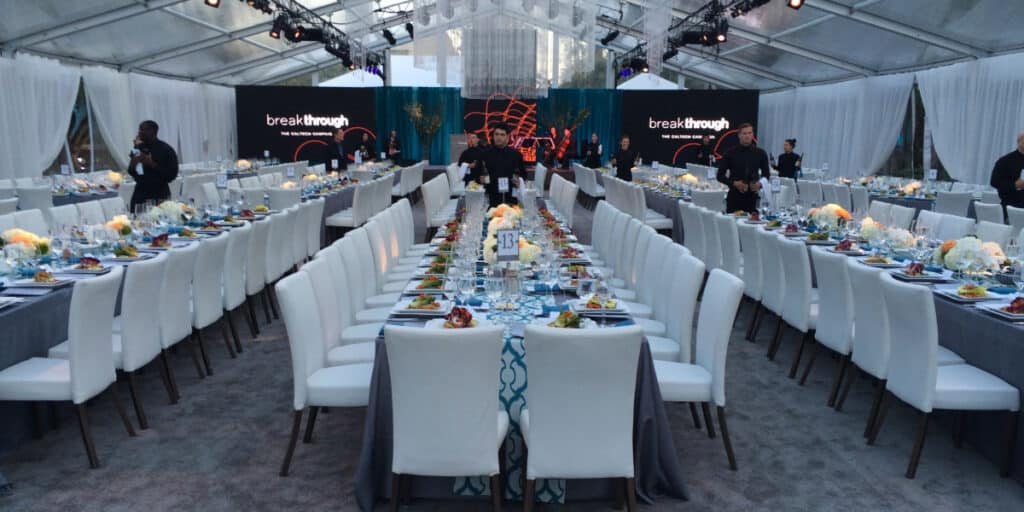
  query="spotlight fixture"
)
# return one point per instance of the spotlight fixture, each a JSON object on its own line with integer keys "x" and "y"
{"x": 795, "y": 4}
{"x": 745, "y": 6}
{"x": 213, "y": 3}
{"x": 723, "y": 29}
{"x": 609, "y": 37}
{"x": 409, "y": 29}
{"x": 259, "y": 5}
{"x": 389, "y": 36}
{"x": 280, "y": 25}
{"x": 672, "y": 52}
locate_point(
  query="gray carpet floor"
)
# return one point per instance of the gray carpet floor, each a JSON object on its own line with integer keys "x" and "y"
{"x": 220, "y": 448}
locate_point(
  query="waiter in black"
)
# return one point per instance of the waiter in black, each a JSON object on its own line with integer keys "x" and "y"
{"x": 394, "y": 148}
{"x": 334, "y": 156}
{"x": 503, "y": 166}
{"x": 592, "y": 152}
{"x": 705, "y": 152}
{"x": 789, "y": 162}
{"x": 624, "y": 159}
{"x": 153, "y": 165}
{"x": 471, "y": 157}
{"x": 1008, "y": 177}
{"x": 741, "y": 170}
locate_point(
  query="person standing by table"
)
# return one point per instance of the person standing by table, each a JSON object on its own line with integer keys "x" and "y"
{"x": 153, "y": 165}
{"x": 1008, "y": 177}
{"x": 503, "y": 166}
{"x": 394, "y": 148}
{"x": 789, "y": 162}
{"x": 365, "y": 148}
{"x": 471, "y": 158}
{"x": 624, "y": 159}
{"x": 334, "y": 155}
{"x": 706, "y": 151}
{"x": 741, "y": 169}
{"x": 592, "y": 152}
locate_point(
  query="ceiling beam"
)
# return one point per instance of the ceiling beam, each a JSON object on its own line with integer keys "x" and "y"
{"x": 216, "y": 28}
{"x": 251, "y": 63}
{"x": 896, "y": 27}
{"x": 89, "y": 22}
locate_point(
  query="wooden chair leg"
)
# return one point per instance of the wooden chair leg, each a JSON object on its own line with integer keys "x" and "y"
{"x": 882, "y": 408}
{"x": 274, "y": 306}
{"x": 266, "y": 304}
{"x": 310, "y": 423}
{"x": 115, "y": 396}
{"x": 234, "y": 330}
{"x": 254, "y": 326}
{"x": 198, "y": 334}
{"x": 631, "y": 495}
{"x": 808, "y": 336}
{"x": 1011, "y": 444}
{"x": 528, "y": 495}
{"x": 496, "y": 492}
{"x": 846, "y": 389}
{"x": 226, "y": 336}
{"x": 838, "y": 380}
{"x": 773, "y": 348}
{"x": 707, "y": 419}
{"x": 194, "y": 352}
{"x": 168, "y": 377}
{"x": 873, "y": 413}
{"x": 140, "y": 413}
{"x": 958, "y": 429}
{"x": 296, "y": 424}
{"x": 815, "y": 346}
{"x": 725, "y": 438}
{"x": 915, "y": 455}
{"x": 83, "y": 427}
{"x": 753, "y": 321}
{"x": 696, "y": 418}
{"x": 757, "y": 323}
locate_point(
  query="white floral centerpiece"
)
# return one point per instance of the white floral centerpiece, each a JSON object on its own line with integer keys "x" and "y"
{"x": 970, "y": 250}
{"x": 243, "y": 165}
{"x": 829, "y": 215}
{"x": 910, "y": 188}
{"x": 498, "y": 223}
{"x": 121, "y": 224}
{"x": 900, "y": 238}
{"x": 528, "y": 251}
{"x": 871, "y": 229}
{"x": 689, "y": 179}
{"x": 505, "y": 210}
{"x": 32, "y": 244}
{"x": 172, "y": 210}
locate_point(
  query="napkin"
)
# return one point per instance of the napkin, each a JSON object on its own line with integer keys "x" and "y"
{"x": 1002, "y": 290}
{"x": 548, "y": 309}
{"x": 543, "y": 287}
{"x": 933, "y": 268}
{"x": 473, "y": 302}
{"x": 625, "y": 323}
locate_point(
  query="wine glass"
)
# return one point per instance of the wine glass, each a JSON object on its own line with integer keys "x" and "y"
{"x": 493, "y": 287}
{"x": 466, "y": 284}
{"x": 1018, "y": 278}
{"x": 549, "y": 274}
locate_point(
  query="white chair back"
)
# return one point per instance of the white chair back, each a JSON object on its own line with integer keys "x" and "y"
{"x": 693, "y": 234}
{"x": 90, "y": 212}
{"x": 992, "y": 232}
{"x": 718, "y": 308}
{"x": 751, "y": 260}
{"x": 8, "y": 205}
{"x": 540, "y": 174}
{"x": 713, "y": 200}
{"x": 988, "y": 212}
{"x": 729, "y": 241}
{"x": 210, "y": 195}
{"x": 113, "y": 206}
{"x": 32, "y": 221}
{"x": 235, "y": 266}
{"x": 175, "y": 292}
{"x": 990, "y": 196}
{"x": 682, "y": 297}
{"x": 326, "y": 300}
{"x": 796, "y": 264}
{"x": 90, "y": 325}
{"x": 954, "y": 227}
{"x": 880, "y": 212}
{"x": 305, "y": 335}
{"x": 282, "y": 198}
{"x": 140, "y": 317}
{"x": 314, "y": 225}
{"x": 1015, "y": 217}
{"x": 870, "y": 320}
{"x": 256, "y": 257}
{"x": 901, "y": 216}
{"x": 773, "y": 288}
{"x": 835, "y": 305}
{"x": 859, "y": 198}
{"x": 953, "y": 203}
{"x": 810, "y": 193}
{"x": 712, "y": 246}
{"x": 913, "y": 331}
{"x": 63, "y": 216}
{"x": 207, "y": 298}
{"x": 34, "y": 198}
{"x": 583, "y": 430}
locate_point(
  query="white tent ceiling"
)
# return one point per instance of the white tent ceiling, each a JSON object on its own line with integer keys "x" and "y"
{"x": 770, "y": 48}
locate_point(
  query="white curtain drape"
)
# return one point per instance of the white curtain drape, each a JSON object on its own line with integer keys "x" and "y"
{"x": 852, "y": 126}
{"x": 198, "y": 120}
{"x": 37, "y": 97}
{"x": 975, "y": 110}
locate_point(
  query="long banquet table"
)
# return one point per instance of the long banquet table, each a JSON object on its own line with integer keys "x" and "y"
{"x": 61, "y": 200}
{"x": 917, "y": 203}
{"x": 658, "y": 471}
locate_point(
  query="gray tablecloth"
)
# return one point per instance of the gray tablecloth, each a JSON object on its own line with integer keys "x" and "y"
{"x": 917, "y": 203}
{"x": 76, "y": 198}
{"x": 658, "y": 472}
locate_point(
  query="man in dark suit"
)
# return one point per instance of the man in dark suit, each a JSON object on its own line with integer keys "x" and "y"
{"x": 153, "y": 165}
{"x": 334, "y": 155}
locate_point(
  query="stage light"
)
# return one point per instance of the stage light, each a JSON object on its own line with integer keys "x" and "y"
{"x": 213, "y": 3}
{"x": 644, "y": 69}
{"x": 389, "y": 36}
{"x": 280, "y": 25}
{"x": 672, "y": 52}
{"x": 409, "y": 29}
{"x": 795, "y": 4}
{"x": 608, "y": 38}
{"x": 723, "y": 29}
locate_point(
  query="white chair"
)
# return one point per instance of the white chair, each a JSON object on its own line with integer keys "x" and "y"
{"x": 929, "y": 221}
{"x": 457, "y": 187}
{"x": 835, "y": 314}
{"x": 32, "y": 221}
{"x": 953, "y": 203}
{"x": 990, "y": 196}
{"x": 278, "y": 250}
{"x": 992, "y": 232}
{"x": 314, "y": 225}
{"x": 453, "y": 426}
{"x": 681, "y": 292}
{"x": 314, "y": 385}
{"x": 234, "y": 278}
{"x": 925, "y": 385}
{"x": 773, "y": 281}
{"x": 34, "y": 198}
{"x": 175, "y": 312}
{"x": 713, "y": 200}
{"x": 326, "y": 276}
{"x": 729, "y": 243}
{"x": 8, "y": 205}
{"x": 89, "y": 369}
{"x": 584, "y": 430}
{"x": 799, "y": 309}
{"x": 704, "y": 380}
{"x": 540, "y": 174}
{"x": 752, "y": 273}
{"x": 256, "y": 271}
{"x": 7, "y": 190}
{"x": 1015, "y": 217}
{"x": 349, "y": 271}
{"x": 355, "y": 215}
{"x": 299, "y": 233}
{"x": 64, "y": 216}
{"x": 207, "y": 298}
{"x": 880, "y": 211}
{"x": 901, "y": 216}
{"x": 113, "y": 206}
{"x": 860, "y": 198}
{"x": 954, "y": 227}
{"x": 810, "y": 194}
{"x": 91, "y": 213}
{"x": 282, "y": 198}
{"x": 210, "y": 195}
{"x": 125, "y": 191}
{"x": 712, "y": 246}
{"x": 989, "y": 212}
{"x": 647, "y": 215}
{"x": 7, "y": 222}
{"x": 693, "y": 234}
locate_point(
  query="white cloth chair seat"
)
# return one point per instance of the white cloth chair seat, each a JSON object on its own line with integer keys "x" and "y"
{"x": 651, "y": 327}
{"x": 352, "y": 353}
{"x": 340, "y": 386}
{"x": 60, "y": 350}
{"x": 683, "y": 382}
{"x": 946, "y": 357}
{"x": 383, "y": 299}
{"x": 394, "y": 286}
{"x": 410, "y": 260}
{"x": 342, "y": 219}
{"x": 361, "y": 333}
{"x": 36, "y": 379}
{"x": 966, "y": 388}
{"x": 663, "y": 349}
{"x": 617, "y": 282}
{"x": 636, "y": 309}
{"x": 373, "y": 315}
{"x": 625, "y": 294}
{"x": 401, "y": 276}
{"x": 657, "y": 220}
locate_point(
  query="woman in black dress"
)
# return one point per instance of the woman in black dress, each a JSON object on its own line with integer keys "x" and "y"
{"x": 789, "y": 162}
{"x": 592, "y": 152}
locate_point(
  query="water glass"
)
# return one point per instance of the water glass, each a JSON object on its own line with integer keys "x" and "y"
{"x": 494, "y": 287}
{"x": 466, "y": 284}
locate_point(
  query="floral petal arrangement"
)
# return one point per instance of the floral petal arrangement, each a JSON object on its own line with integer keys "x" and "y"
{"x": 171, "y": 209}
{"x": 871, "y": 229}
{"x": 528, "y": 251}
{"x": 969, "y": 251}
{"x": 910, "y": 188}
{"x": 900, "y": 238}
{"x": 121, "y": 224}
{"x": 38, "y": 245}
{"x": 829, "y": 215}
{"x": 505, "y": 210}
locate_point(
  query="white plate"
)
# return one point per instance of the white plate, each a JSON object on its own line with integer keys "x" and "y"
{"x": 820, "y": 242}
{"x": 891, "y": 264}
{"x": 949, "y": 291}
{"x": 794, "y": 233}
{"x": 574, "y": 261}
{"x": 129, "y": 259}
{"x": 994, "y": 308}
{"x": 579, "y": 306}
{"x": 10, "y": 301}
{"x": 438, "y": 323}
{"x": 858, "y": 252}
{"x": 73, "y": 270}
{"x": 926, "y": 276}
{"x": 29, "y": 283}
{"x": 445, "y": 287}
{"x": 402, "y": 309}
{"x": 586, "y": 323}
{"x": 756, "y": 222}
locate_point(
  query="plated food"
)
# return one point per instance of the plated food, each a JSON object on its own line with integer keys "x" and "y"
{"x": 570, "y": 253}
{"x": 459, "y": 318}
{"x": 772, "y": 224}
{"x": 160, "y": 242}
{"x": 262, "y": 208}
{"x": 425, "y": 302}
{"x": 846, "y": 246}
{"x": 600, "y": 302}
{"x": 791, "y": 228}
{"x": 972, "y": 291}
{"x": 43, "y": 277}
{"x": 818, "y": 237}
{"x": 126, "y": 251}
{"x": 187, "y": 233}
{"x": 914, "y": 270}
{"x": 431, "y": 283}
{"x": 438, "y": 269}
{"x": 89, "y": 263}
{"x": 567, "y": 320}
{"x": 877, "y": 260}
{"x": 1014, "y": 308}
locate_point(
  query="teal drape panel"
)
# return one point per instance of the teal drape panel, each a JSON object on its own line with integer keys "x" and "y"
{"x": 391, "y": 115}
{"x": 605, "y": 114}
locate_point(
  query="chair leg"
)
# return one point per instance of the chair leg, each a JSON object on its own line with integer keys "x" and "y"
{"x": 234, "y": 330}
{"x": 757, "y": 323}
{"x": 725, "y": 438}
{"x": 839, "y": 379}
{"x": 696, "y": 418}
{"x": 773, "y": 348}
{"x": 168, "y": 378}
{"x": 310, "y": 423}
{"x": 1011, "y": 444}
{"x": 140, "y": 413}
{"x": 396, "y": 491}
{"x": 915, "y": 455}
{"x": 846, "y": 390}
{"x": 631, "y": 495}
{"x": 753, "y": 321}
{"x": 882, "y": 408}
{"x": 194, "y": 351}
{"x": 115, "y": 396}
{"x": 958, "y": 429}
{"x": 254, "y": 326}
{"x": 274, "y": 306}
{"x": 226, "y": 336}
{"x": 815, "y": 346}
{"x": 83, "y": 426}
{"x": 707, "y": 419}
{"x": 496, "y": 492}
{"x": 198, "y": 335}
{"x": 875, "y": 404}
{"x": 37, "y": 420}
{"x": 528, "y": 495}
{"x": 296, "y": 424}
{"x": 800, "y": 352}
{"x": 266, "y": 304}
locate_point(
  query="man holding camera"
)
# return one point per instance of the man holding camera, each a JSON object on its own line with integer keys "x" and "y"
{"x": 153, "y": 165}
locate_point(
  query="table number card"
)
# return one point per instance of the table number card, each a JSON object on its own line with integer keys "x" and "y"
{"x": 222, "y": 180}
{"x": 508, "y": 244}
{"x": 503, "y": 185}
{"x": 776, "y": 184}
{"x": 711, "y": 173}
{"x": 334, "y": 163}
{"x": 65, "y": 169}
{"x": 933, "y": 174}
{"x": 654, "y": 165}
{"x": 266, "y": 153}
{"x": 291, "y": 171}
